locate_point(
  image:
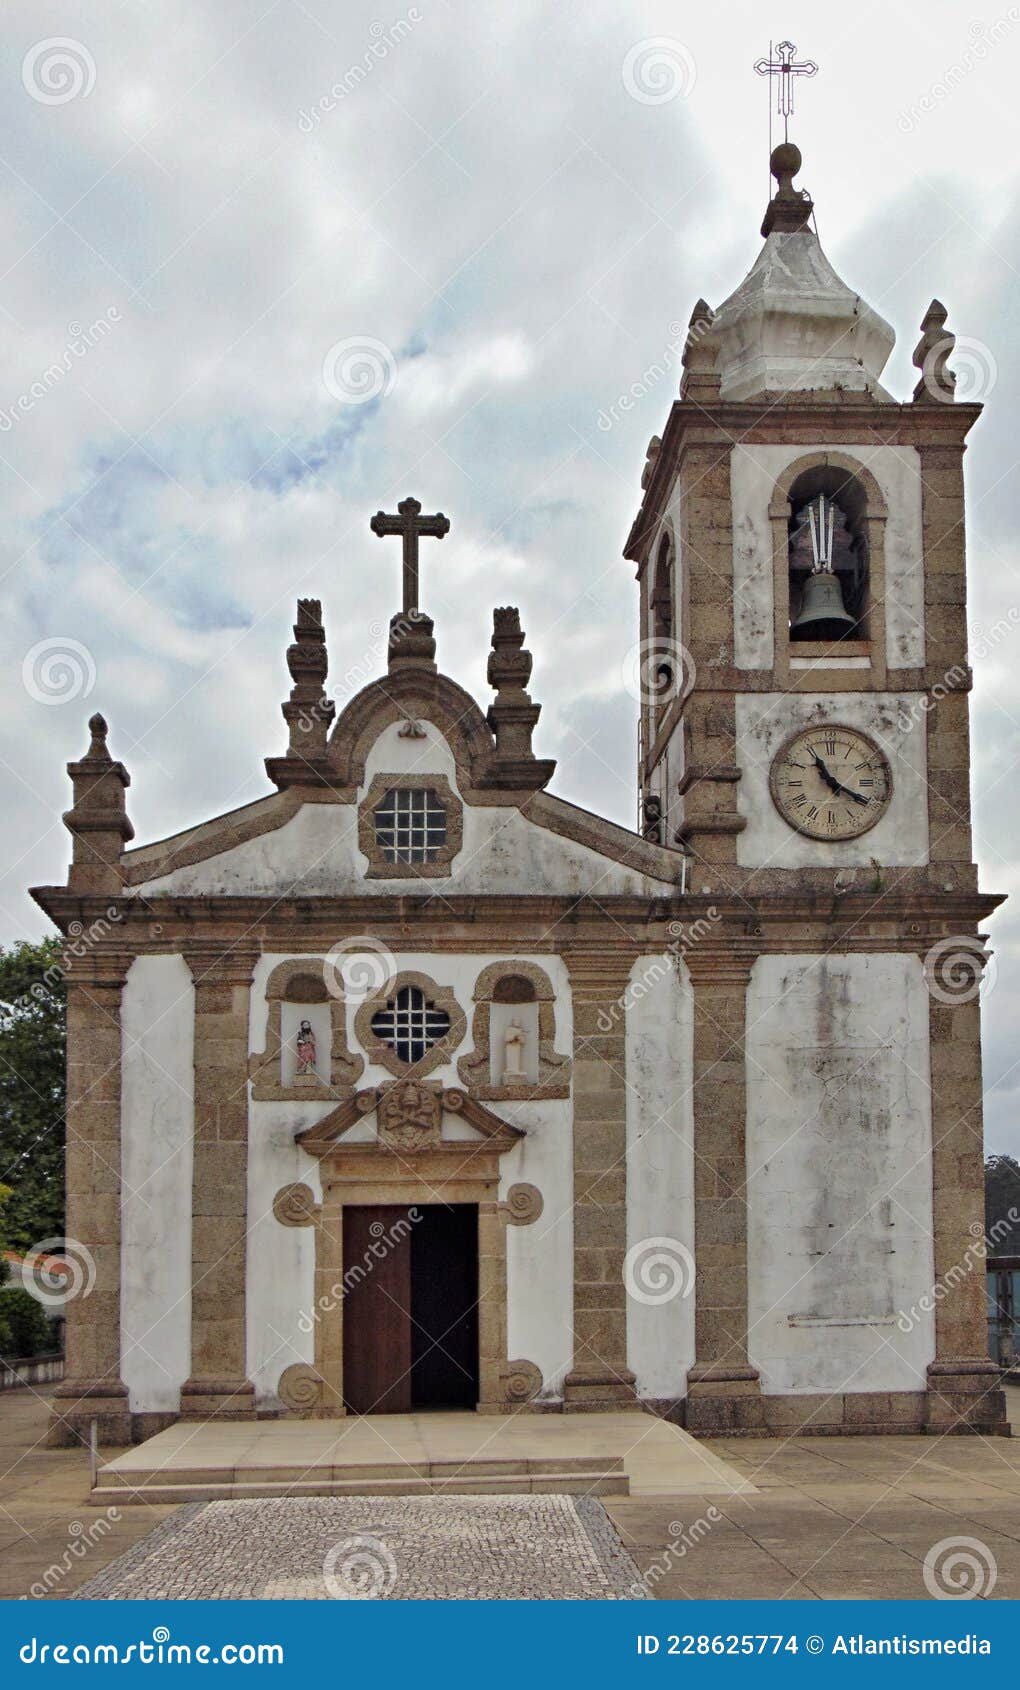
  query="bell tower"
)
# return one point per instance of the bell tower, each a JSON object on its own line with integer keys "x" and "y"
{"x": 799, "y": 549}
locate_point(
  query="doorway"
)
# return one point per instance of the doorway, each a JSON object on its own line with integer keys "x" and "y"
{"x": 410, "y": 1308}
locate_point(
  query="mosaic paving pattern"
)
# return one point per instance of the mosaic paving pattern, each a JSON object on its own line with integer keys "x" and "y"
{"x": 395, "y": 1549}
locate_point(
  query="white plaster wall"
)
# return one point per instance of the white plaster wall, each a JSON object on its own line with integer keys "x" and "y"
{"x": 660, "y": 1170}
{"x": 765, "y": 720}
{"x": 839, "y": 1172}
{"x": 316, "y": 851}
{"x": 280, "y": 1273}
{"x": 157, "y": 1129}
{"x": 754, "y": 471}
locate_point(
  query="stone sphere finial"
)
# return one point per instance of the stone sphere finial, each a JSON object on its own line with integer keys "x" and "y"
{"x": 784, "y": 163}
{"x": 97, "y": 726}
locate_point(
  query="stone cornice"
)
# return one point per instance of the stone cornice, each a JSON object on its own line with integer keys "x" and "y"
{"x": 801, "y": 418}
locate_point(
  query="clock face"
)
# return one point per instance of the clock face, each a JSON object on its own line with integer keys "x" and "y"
{"x": 831, "y": 782}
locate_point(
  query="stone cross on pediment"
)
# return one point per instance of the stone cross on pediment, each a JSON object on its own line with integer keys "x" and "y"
{"x": 410, "y": 525}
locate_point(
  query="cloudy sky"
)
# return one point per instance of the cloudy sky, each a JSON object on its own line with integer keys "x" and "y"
{"x": 505, "y": 214}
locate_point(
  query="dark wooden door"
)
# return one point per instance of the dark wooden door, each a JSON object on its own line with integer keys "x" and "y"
{"x": 444, "y": 1306}
{"x": 377, "y": 1310}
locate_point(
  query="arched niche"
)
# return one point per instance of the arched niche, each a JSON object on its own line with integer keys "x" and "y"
{"x": 507, "y": 992}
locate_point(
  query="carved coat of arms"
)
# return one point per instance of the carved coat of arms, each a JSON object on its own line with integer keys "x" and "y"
{"x": 409, "y": 1115}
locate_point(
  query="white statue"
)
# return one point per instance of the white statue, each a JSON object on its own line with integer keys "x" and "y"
{"x": 513, "y": 1052}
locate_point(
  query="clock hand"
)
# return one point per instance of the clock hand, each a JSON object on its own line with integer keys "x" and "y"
{"x": 835, "y": 785}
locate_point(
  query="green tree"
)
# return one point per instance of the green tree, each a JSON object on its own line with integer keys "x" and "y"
{"x": 5, "y": 1272}
{"x": 33, "y": 1003}
{"x": 1002, "y": 1205}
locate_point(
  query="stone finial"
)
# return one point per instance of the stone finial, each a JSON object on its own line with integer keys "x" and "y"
{"x": 308, "y": 712}
{"x": 652, "y": 451}
{"x": 97, "y": 821}
{"x": 790, "y": 207}
{"x": 411, "y": 641}
{"x": 937, "y": 383}
{"x": 700, "y": 379}
{"x": 512, "y": 715}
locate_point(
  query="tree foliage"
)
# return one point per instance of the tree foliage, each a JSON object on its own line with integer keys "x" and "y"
{"x": 33, "y": 1002}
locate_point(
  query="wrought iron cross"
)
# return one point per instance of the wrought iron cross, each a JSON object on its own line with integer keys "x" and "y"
{"x": 410, "y": 525}
{"x": 784, "y": 68}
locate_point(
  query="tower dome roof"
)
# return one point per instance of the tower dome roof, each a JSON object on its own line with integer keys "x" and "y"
{"x": 793, "y": 325}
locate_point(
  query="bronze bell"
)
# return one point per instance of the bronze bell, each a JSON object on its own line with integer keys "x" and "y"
{"x": 822, "y": 614}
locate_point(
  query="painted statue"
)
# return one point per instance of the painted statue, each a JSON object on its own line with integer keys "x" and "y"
{"x": 305, "y": 1045}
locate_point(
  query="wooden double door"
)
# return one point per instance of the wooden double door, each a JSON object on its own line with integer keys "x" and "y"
{"x": 410, "y": 1311}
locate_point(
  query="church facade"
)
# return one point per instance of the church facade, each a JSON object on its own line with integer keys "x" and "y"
{"x": 412, "y": 1085}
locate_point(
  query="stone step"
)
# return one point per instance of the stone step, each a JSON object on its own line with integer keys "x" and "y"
{"x": 605, "y": 1479}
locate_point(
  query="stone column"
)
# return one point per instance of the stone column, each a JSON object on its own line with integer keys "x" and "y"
{"x": 92, "y": 1388}
{"x": 964, "y": 1391}
{"x": 600, "y": 1377}
{"x": 219, "y": 1386}
{"x": 723, "y": 1389}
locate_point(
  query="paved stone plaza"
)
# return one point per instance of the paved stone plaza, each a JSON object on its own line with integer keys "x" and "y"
{"x": 829, "y": 1519}
{"x": 510, "y": 1548}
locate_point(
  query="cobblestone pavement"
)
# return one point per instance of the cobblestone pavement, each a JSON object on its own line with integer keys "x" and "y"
{"x": 512, "y": 1548}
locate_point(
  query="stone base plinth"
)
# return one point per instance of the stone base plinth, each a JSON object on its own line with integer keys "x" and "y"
{"x": 590, "y": 1390}
{"x": 966, "y": 1395}
{"x": 217, "y": 1399}
{"x": 79, "y": 1402}
{"x": 724, "y": 1399}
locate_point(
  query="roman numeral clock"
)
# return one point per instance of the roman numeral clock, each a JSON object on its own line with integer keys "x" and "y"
{"x": 831, "y": 782}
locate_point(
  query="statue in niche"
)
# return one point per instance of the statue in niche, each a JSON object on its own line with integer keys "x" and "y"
{"x": 305, "y": 1047}
{"x": 513, "y": 1052}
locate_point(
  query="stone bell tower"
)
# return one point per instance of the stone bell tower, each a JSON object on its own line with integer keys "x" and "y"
{"x": 800, "y": 556}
